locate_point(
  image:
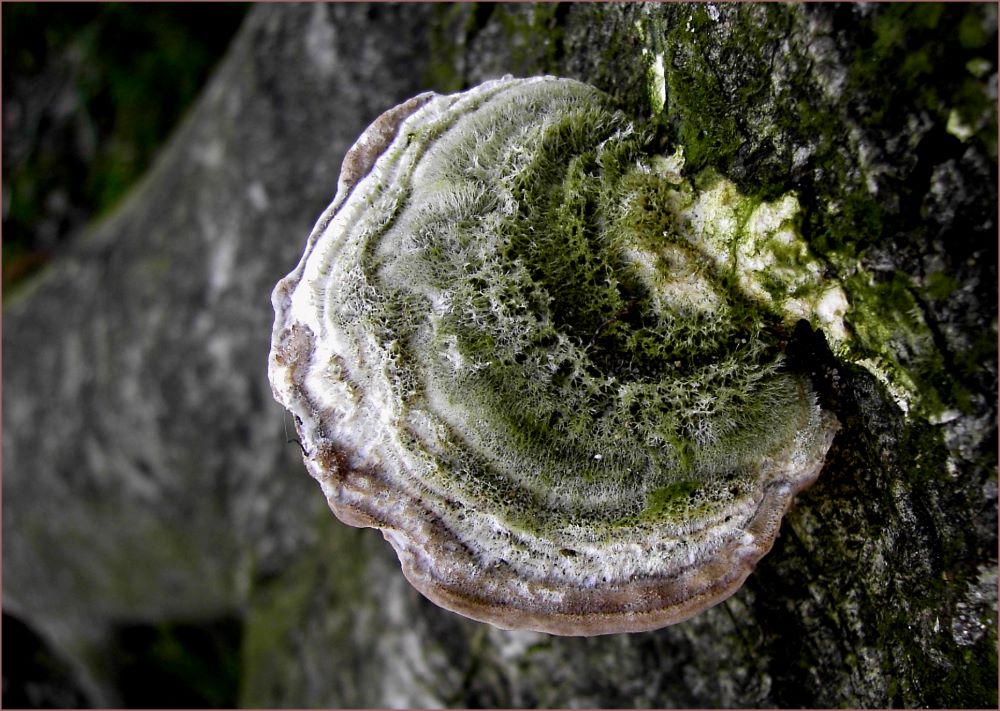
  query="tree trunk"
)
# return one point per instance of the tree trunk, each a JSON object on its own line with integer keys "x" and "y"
{"x": 147, "y": 477}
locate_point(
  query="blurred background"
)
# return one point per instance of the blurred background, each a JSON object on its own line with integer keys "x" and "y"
{"x": 91, "y": 91}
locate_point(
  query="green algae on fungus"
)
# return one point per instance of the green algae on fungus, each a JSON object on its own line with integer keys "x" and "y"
{"x": 523, "y": 348}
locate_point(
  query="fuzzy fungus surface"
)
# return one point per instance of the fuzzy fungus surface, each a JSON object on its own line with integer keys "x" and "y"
{"x": 528, "y": 352}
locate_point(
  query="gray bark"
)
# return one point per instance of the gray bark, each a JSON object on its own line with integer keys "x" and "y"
{"x": 147, "y": 477}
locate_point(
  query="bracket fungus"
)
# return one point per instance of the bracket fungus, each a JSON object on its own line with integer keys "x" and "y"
{"x": 501, "y": 349}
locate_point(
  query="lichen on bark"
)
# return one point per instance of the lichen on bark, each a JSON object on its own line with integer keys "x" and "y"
{"x": 521, "y": 327}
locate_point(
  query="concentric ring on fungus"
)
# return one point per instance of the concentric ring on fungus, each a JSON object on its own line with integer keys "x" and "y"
{"x": 501, "y": 351}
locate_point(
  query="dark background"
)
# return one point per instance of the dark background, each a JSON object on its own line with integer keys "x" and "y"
{"x": 90, "y": 93}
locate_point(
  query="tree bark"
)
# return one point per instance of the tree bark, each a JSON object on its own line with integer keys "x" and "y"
{"x": 147, "y": 477}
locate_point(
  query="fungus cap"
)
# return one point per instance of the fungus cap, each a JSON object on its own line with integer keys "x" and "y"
{"x": 501, "y": 350}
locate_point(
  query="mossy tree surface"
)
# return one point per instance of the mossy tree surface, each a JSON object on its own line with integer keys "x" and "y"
{"x": 857, "y": 111}
{"x": 881, "y": 590}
